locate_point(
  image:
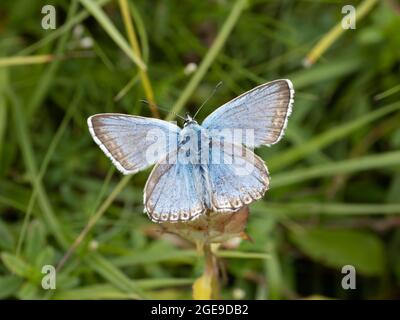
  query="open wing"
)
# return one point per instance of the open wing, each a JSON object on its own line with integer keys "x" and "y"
{"x": 133, "y": 143}
{"x": 231, "y": 177}
{"x": 237, "y": 178}
{"x": 174, "y": 191}
{"x": 264, "y": 109}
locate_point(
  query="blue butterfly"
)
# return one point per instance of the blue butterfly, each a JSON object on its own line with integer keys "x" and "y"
{"x": 199, "y": 168}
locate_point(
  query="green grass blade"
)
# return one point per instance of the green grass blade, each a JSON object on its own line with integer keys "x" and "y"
{"x": 181, "y": 256}
{"x": 45, "y": 163}
{"x": 28, "y": 155}
{"x": 106, "y": 291}
{"x": 273, "y": 271}
{"x": 76, "y": 19}
{"x": 112, "y": 31}
{"x": 346, "y": 166}
{"x": 45, "y": 81}
{"x": 329, "y": 38}
{"x": 324, "y": 71}
{"x": 94, "y": 292}
{"x": 387, "y": 93}
{"x": 113, "y": 275}
{"x": 141, "y": 30}
{"x": 3, "y": 106}
{"x": 25, "y": 60}
{"x": 211, "y": 55}
{"x": 93, "y": 220}
{"x": 284, "y": 159}
{"x": 231, "y": 254}
{"x": 307, "y": 209}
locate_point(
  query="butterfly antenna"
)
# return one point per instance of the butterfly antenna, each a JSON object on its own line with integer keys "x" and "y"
{"x": 164, "y": 109}
{"x": 208, "y": 98}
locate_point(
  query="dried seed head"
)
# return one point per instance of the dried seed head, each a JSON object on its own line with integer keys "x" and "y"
{"x": 212, "y": 227}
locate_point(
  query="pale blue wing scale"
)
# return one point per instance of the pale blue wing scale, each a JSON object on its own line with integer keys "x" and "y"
{"x": 125, "y": 139}
{"x": 238, "y": 182}
{"x": 264, "y": 109}
{"x": 174, "y": 191}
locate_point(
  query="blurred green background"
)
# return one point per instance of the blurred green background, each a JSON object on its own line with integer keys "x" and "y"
{"x": 335, "y": 189}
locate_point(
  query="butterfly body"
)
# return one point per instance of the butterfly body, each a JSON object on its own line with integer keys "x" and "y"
{"x": 199, "y": 168}
{"x": 191, "y": 138}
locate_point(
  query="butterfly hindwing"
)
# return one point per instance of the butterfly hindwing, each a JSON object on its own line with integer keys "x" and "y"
{"x": 174, "y": 191}
{"x": 238, "y": 180}
{"x": 126, "y": 139}
{"x": 264, "y": 109}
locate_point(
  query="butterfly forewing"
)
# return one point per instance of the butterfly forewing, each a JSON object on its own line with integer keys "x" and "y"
{"x": 264, "y": 109}
{"x": 127, "y": 140}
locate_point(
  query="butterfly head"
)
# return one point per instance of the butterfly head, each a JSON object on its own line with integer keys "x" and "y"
{"x": 189, "y": 120}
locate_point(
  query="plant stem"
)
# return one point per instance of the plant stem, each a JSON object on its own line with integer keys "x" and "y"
{"x": 216, "y": 47}
{"x": 333, "y": 34}
{"x": 207, "y": 287}
{"x": 18, "y": 61}
{"x": 124, "y": 181}
{"x": 130, "y": 30}
{"x": 112, "y": 31}
{"x": 94, "y": 220}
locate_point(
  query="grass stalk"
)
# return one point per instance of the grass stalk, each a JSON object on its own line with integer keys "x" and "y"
{"x": 45, "y": 81}
{"x": 328, "y": 39}
{"x": 209, "y": 58}
{"x": 99, "y": 213}
{"x": 20, "y": 61}
{"x": 130, "y": 30}
{"x": 337, "y": 132}
{"x": 307, "y": 209}
{"x": 112, "y": 31}
{"x": 69, "y": 24}
{"x": 375, "y": 161}
{"x": 114, "y": 276}
{"x": 207, "y": 287}
{"x": 28, "y": 155}
{"x": 43, "y": 168}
